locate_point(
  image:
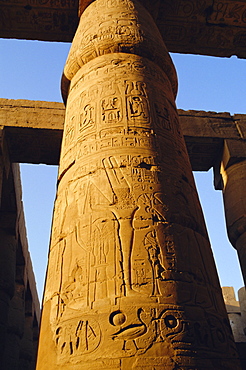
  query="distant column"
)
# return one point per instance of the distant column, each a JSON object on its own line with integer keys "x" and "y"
{"x": 242, "y": 300}
{"x": 7, "y": 286}
{"x": 131, "y": 281}
{"x": 15, "y": 329}
{"x": 233, "y": 171}
{"x": 8, "y": 247}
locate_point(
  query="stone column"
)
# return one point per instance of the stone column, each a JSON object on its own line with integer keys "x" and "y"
{"x": 131, "y": 281}
{"x": 242, "y": 300}
{"x": 7, "y": 285}
{"x": 234, "y": 312}
{"x": 8, "y": 246}
{"x": 15, "y": 329}
{"x": 233, "y": 171}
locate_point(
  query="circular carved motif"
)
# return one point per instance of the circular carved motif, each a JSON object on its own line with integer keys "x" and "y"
{"x": 77, "y": 338}
{"x": 171, "y": 321}
{"x": 117, "y": 318}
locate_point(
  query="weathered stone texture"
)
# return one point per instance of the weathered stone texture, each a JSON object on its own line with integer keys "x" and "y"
{"x": 17, "y": 283}
{"x": 39, "y": 20}
{"x": 232, "y": 168}
{"x": 32, "y": 129}
{"x": 234, "y": 312}
{"x": 204, "y": 132}
{"x": 31, "y": 114}
{"x": 237, "y": 315}
{"x": 201, "y": 27}
{"x": 210, "y": 27}
{"x": 129, "y": 247}
{"x": 234, "y": 182}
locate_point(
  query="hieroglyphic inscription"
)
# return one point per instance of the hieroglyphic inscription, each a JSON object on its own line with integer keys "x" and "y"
{"x": 77, "y": 338}
{"x": 24, "y": 21}
{"x": 228, "y": 12}
{"x": 127, "y": 186}
{"x": 118, "y": 114}
{"x": 218, "y": 41}
{"x": 166, "y": 324}
{"x": 137, "y": 102}
{"x": 184, "y": 9}
{"x": 44, "y": 3}
{"x": 132, "y": 258}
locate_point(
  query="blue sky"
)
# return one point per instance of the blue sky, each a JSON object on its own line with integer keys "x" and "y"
{"x": 32, "y": 70}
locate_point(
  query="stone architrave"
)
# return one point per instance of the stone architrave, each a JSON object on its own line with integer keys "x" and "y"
{"x": 131, "y": 281}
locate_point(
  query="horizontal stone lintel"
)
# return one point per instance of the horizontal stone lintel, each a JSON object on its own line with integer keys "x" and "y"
{"x": 33, "y": 130}
{"x": 208, "y": 27}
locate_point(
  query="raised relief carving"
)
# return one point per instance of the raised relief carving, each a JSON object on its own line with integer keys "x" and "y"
{"x": 87, "y": 109}
{"x": 150, "y": 212}
{"x": 171, "y": 325}
{"x": 75, "y": 287}
{"x": 131, "y": 332}
{"x": 111, "y": 110}
{"x": 115, "y": 3}
{"x": 124, "y": 208}
{"x": 139, "y": 269}
{"x": 87, "y": 117}
{"x": 103, "y": 258}
{"x": 77, "y": 338}
{"x": 136, "y": 337}
{"x": 170, "y": 253}
{"x": 131, "y": 257}
{"x": 126, "y": 214}
{"x": 163, "y": 117}
{"x": 228, "y": 13}
{"x": 154, "y": 256}
{"x": 70, "y": 131}
{"x": 137, "y": 102}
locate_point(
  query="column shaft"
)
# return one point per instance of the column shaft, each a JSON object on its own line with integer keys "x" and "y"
{"x": 131, "y": 281}
{"x": 234, "y": 183}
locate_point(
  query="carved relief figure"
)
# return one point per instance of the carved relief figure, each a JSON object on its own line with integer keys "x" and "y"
{"x": 119, "y": 241}
{"x": 123, "y": 207}
{"x": 154, "y": 256}
{"x": 100, "y": 252}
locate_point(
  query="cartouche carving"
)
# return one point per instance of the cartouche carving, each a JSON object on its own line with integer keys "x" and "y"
{"x": 137, "y": 102}
{"x": 78, "y": 338}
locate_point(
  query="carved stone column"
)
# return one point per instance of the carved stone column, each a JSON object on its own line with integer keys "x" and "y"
{"x": 233, "y": 171}
{"x": 7, "y": 284}
{"x": 131, "y": 281}
{"x": 15, "y": 329}
{"x": 8, "y": 246}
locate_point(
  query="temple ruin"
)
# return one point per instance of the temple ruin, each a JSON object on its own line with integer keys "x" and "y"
{"x": 136, "y": 286}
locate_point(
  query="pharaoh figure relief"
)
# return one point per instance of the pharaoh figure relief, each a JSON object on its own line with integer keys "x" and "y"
{"x": 131, "y": 282}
